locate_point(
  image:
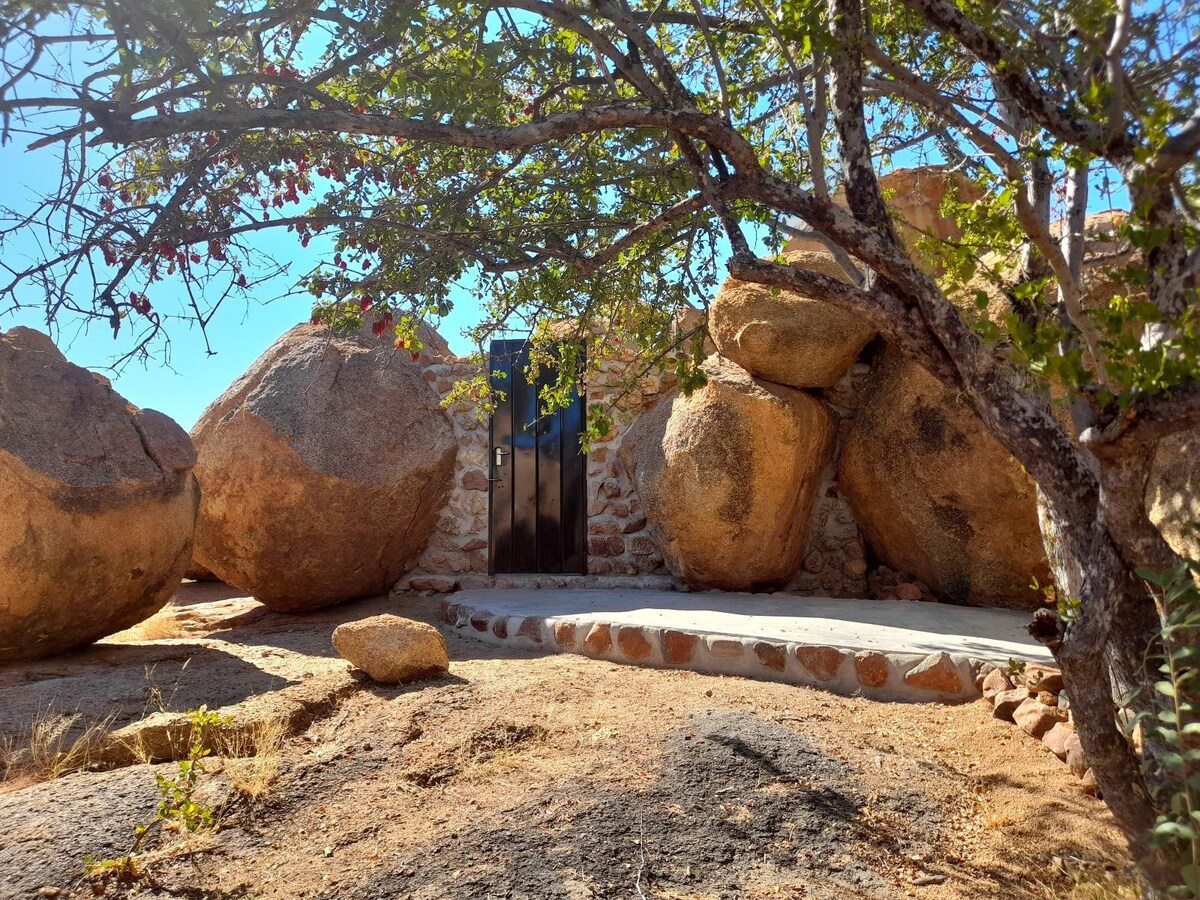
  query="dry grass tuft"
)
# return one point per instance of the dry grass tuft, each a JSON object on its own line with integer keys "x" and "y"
{"x": 1108, "y": 879}
{"x": 252, "y": 756}
{"x": 52, "y": 745}
{"x": 161, "y": 626}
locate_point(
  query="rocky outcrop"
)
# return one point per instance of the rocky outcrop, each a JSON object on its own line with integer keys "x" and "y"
{"x": 726, "y": 478}
{"x": 390, "y": 649}
{"x": 1173, "y": 492}
{"x": 99, "y": 503}
{"x": 936, "y": 495}
{"x": 783, "y": 336}
{"x": 323, "y": 470}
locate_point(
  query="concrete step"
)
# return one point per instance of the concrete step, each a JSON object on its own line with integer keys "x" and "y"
{"x": 887, "y": 650}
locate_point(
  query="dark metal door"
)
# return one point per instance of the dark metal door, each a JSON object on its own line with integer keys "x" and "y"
{"x": 538, "y": 497}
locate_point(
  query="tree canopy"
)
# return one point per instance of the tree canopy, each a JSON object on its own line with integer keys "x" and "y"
{"x": 608, "y": 162}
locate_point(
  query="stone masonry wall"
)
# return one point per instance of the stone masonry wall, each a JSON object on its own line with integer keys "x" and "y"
{"x": 460, "y": 540}
{"x": 618, "y": 540}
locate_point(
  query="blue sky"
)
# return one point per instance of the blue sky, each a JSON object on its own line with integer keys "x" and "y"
{"x": 183, "y": 385}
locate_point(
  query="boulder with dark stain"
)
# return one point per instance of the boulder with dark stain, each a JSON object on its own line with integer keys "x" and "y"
{"x": 323, "y": 470}
{"x": 937, "y": 496}
{"x": 98, "y": 499}
{"x": 727, "y": 478}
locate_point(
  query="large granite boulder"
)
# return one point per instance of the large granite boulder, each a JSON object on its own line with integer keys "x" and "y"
{"x": 323, "y": 470}
{"x": 727, "y": 477}
{"x": 783, "y": 336}
{"x": 1173, "y": 492}
{"x": 99, "y": 503}
{"x": 915, "y": 199}
{"x": 937, "y": 496}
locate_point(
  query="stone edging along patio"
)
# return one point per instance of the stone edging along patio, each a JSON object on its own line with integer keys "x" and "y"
{"x": 845, "y": 646}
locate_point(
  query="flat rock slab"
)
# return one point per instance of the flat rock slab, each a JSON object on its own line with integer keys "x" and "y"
{"x": 251, "y": 665}
{"x": 886, "y": 650}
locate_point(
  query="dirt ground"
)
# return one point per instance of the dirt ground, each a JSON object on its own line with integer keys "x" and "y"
{"x": 524, "y": 776}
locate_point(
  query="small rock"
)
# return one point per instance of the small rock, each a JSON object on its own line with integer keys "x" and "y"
{"x": 1064, "y": 703}
{"x": 564, "y": 635}
{"x": 995, "y": 682}
{"x": 936, "y": 672}
{"x": 725, "y": 648}
{"x": 1043, "y": 678}
{"x": 908, "y": 591}
{"x": 679, "y": 647}
{"x": 1089, "y": 785}
{"x": 1048, "y": 699}
{"x": 1058, "y": 738}
{"x": 1007, "y": 703}
{"x": 1036, "y": 718}
{"x": 391, "y": 649}
{"x": 1076, "y": 761}
{"x": 822, "y": 662}
{"x": 772, "y": 656}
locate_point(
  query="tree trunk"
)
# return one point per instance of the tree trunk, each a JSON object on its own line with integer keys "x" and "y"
{"x": 1102, "y": 652}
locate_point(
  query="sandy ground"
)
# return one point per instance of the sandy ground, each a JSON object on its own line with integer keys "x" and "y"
{"x": 526, "y": 776}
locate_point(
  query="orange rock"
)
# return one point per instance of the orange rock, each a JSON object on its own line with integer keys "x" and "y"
{"x": 872, "y": 668}
{"x": 822, "y": 662}
{"x": 679, "y": 647}
{"x": 564, "y": 635}
{"x": 773, "y": 656}
{"x": 935, "y": 672}
{"x": 598, "y": 639}
{"x": 1007, "y": 703}
{"x": 531, "y": 628}
{"x": 1059, "y": 739}
{"x": 633, "y": 643}
{"x": 994, "y": 683}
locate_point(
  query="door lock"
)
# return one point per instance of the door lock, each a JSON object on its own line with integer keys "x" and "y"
{"x": 501, "y": 452}
{"x": 498, "y": 460}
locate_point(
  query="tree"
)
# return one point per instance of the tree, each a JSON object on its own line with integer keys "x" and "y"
{"x": 604, "y": 160}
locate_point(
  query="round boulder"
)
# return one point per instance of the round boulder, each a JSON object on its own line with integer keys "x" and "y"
{"x": 99, "y": 499}
{"x": 783, "y": 336}
{"x": 937, "y": 496}
{"x": 727, "y": 478}
{"x": 323, "y": 470}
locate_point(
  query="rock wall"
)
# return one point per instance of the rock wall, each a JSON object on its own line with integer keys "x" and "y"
{"x": 460, "y": 539}
{"x": 619, "y": 541}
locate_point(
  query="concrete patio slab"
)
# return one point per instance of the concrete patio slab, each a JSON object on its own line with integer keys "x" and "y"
{"x": 883, "y": 649}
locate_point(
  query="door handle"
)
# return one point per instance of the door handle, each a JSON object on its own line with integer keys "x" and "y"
{"x": 498, "y": 460}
